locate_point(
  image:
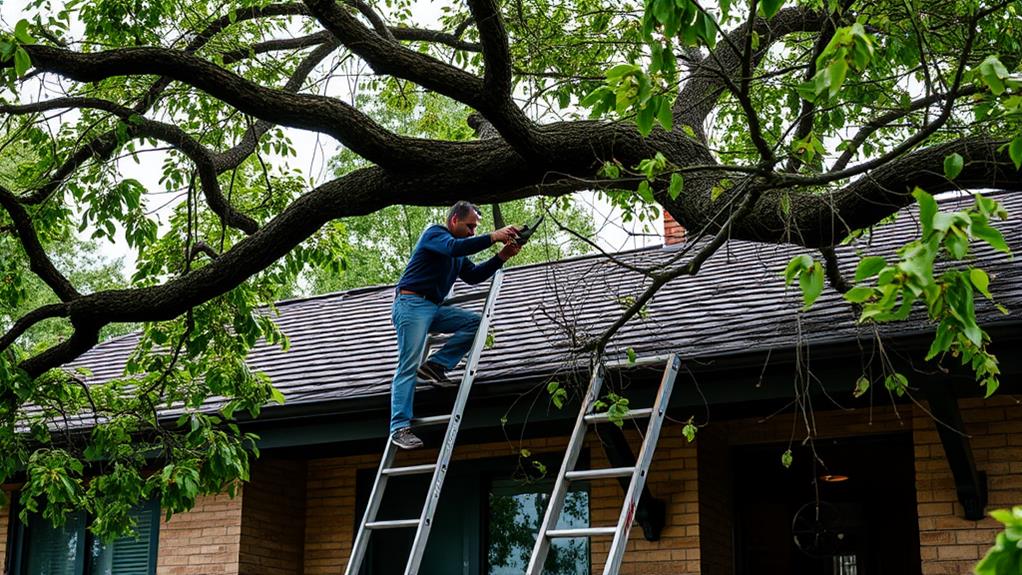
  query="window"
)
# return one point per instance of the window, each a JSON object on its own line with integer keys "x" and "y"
{"x": 42, "y": 549}
{"x": 515, "y": 512}
{"x": 485, "y": 523}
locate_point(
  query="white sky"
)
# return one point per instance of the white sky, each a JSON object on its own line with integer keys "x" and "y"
{"x": 314, "y": 150}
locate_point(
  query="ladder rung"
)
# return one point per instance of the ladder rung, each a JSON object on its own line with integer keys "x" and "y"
{"x": 582, "y": 532}
{"x": 395, "y": 524}
{"x": 431, "y": 420}
{"x": 640, "y": 362}
{"x": 632, "y": 414}
{"x": 412, "y": 470}
{"x": 599, "y": 473}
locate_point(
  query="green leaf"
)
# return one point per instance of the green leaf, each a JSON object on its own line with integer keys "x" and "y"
{"x": 21, "y": 62}
{"x": 927, "y": 209}
{"x": 21, "y": 32}
{"x": 811, "y": 282}
{"x": 525, "y": 452}
{"x": 836, "y": 71}
{"x": 796, "y": 265}
{"x": 689, "y": 431}
{"x": 676, "y": 184}
{"x": 644, "y": 119}
{"x": 621, "y": 70}
{"x": 1015, "y": 151}
{"x": 631, "y": 355}
{"x": 990, "y": 235}
{"x": 993, "y": 73}
{"x": 770, "y": 7}
{"x": 859, "y": 294}
{"x": 715, "y": 192}
{"x": 664, "y": 115}
{"x": 896, "y": 383}
{"x": 869, "y": 266}
{"x": 981, "y": 280}
{"x": 787, "y": 458}
{"x": 953, "y": 165}
{"x": 861, "y": 386}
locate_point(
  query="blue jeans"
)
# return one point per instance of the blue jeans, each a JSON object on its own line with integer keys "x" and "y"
{"x": 415, "y": 318}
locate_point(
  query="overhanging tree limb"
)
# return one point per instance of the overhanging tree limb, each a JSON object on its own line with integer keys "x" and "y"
{"x": 38, "y": 261}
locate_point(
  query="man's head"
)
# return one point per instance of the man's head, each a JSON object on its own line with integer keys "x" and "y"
{"x": 462, "y": 219}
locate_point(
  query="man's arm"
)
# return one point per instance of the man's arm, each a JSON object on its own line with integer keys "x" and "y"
{"x": 471, "y": 273}
{"x": 436, "y": 239}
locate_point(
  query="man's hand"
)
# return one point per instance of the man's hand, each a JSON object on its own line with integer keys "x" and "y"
{"x": 504, "y": 235}
{"x": 509, "y": 251}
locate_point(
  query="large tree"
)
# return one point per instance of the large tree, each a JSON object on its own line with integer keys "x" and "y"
{"x": 795, "y": 121}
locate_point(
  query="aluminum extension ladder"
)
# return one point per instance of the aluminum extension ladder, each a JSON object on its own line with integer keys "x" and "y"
{"x": 567, "y": 473}
{"x": 424, "y": 522}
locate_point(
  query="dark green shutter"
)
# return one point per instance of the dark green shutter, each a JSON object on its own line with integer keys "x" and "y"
{"x": 56, "y": 550}
{"x": 133, "y": 555}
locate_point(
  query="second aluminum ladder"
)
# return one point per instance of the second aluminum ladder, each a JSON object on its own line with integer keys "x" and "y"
{"x": 587, "y": 416}
{"x": 424, "y": 522}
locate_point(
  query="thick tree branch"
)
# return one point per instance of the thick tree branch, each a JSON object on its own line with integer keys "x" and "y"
{"x": 303, "y": 111}
{"x": 38, "y": 261}
{"x": 390, "y": 57}
{"x": 824, "y": 220}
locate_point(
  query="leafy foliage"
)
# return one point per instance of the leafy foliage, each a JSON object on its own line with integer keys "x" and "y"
{"x": 1006, "y": 555}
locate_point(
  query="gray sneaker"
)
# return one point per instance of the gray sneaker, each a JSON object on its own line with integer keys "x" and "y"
{"x": 405, "y": 439}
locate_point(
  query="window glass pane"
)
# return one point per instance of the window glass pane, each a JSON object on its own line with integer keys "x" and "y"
{"x": 516, "y": 511}
{"x": 56, "y": 550}
{"x": 132, "y": 555}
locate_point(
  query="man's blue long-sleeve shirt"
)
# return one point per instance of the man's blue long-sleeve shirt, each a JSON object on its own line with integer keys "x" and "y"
{"x": 440, "y": 258}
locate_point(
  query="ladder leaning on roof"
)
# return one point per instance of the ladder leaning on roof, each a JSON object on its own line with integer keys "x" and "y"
{"x": 424, "y": 522}
{"x": 638, "y": 472}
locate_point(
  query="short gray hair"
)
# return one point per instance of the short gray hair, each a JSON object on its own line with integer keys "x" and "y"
{"x": 462, "y": 209}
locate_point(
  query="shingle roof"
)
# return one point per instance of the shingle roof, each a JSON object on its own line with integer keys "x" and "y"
{"x": 343, "y": 346}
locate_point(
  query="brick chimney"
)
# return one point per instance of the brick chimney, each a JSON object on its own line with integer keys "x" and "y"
{"x": 673, "y": 232}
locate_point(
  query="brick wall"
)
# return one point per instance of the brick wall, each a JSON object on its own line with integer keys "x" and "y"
{"x": 5, "y": 516}
{"x": 330, "y": 520}
{"x": 273, "y": 519}
{"x": 949, "y": 543}
{"x": 203, "y": 541}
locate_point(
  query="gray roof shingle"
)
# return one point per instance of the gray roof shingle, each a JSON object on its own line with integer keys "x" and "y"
{"x": 342, "y": 344}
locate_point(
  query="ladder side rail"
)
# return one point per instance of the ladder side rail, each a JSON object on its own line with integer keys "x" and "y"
{"x": 447, "y": 447}
{"x": 617, "y": 547}
{"x": 361, "y": 544}
{"x": 560, "y": 492}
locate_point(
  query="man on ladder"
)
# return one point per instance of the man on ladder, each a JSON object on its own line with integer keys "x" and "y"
{"x": 439, "y": 258}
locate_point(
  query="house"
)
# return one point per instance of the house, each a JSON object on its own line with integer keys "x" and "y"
{"x": 888, "y": 484}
